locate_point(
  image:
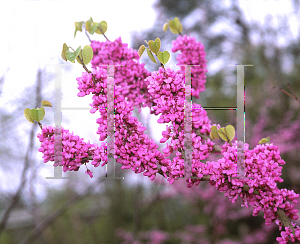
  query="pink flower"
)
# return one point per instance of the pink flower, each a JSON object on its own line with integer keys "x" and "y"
{"x": 88, "y": 172}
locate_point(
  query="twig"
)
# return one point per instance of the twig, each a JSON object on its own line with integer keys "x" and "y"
{"x": 100, "y": 28}
{"x": 290, "y": 95}
{"x": 293, "y": 92}
{"x": 88, "y": 36}
{"x": 83, "y": 65}
{"x": 56, "y": 214}
{"x": 16, "y": 197}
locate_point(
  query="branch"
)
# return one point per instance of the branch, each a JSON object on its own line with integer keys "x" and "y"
{"x": 16, "y": 197}
{"x": 287, "y": 93}
{"x": 56, "y": 214}
{"x": 50, "y": 219}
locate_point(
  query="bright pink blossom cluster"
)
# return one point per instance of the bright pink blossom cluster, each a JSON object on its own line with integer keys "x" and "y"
{"x": 133, "y": 149}
{"x": 166, "y": 92}
{"x": 74, "y": 150}
{"x": 130, "y": 75}
{"x": 192, "y": 53}
{"x": 288, "y": 233}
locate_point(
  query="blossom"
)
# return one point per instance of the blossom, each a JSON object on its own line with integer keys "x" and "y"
{"x": 192, "y": 53}
{"x": 129, "y": 73}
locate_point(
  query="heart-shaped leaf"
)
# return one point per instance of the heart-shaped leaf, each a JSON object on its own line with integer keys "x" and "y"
{"x": 102, "y": 28}
{"x": 222, "y": 134}
{"x": 27, "y": 115}
{"x": 163, "y": 57}
{"x": 165, "y": 27}
{"x": 94, "y": 27}
{"x": 46, "y": 103}
{"x": 230, "y": 131}
{"x": 178, "y": 24}
{"x": 78, "y": 27}
{"x": 88, "y": 24}
{"x": 37, "y": 114}
{"x": 141, "y": 50}
{"x": 214, "y": 133}
{"x": 151, "y": 56}
{"x": 173, "y": 27}
{"x": 63, "y": 52}
{"x": 154, "y": 45}
{"x": 86, "y": 56}
{"x": 72, "y": 55}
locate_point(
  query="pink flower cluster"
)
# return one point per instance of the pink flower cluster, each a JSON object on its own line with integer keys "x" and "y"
{"x": 192, "y": 53}
{"x": 288, "y": 233}
{"x": 133, "y": 149}
{"x": 75, "y": 152}
{"x": 130, "y": 75}
{"x": 166, "y": 93}
{"x": 263, "y": 169}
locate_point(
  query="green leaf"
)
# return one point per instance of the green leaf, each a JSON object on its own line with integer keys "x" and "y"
{"x": 102, "y": 28}
{"x": 151, "y": 56}
{"x": 27, "y": 115}
{"x": 163, "y": 57}
{"x": 264, "y": 140}
{"x": 88, "y": 24}
{"x": 37, "y": 114}
{"x": 230, "y": 131}
{"x": 63, "y": 52}
{"x": 141, "y": 50}
{"x": 222, "y": 134}
{"x": 87, "y": 54}
{"x": 154, "y": 45}
{"x": 165, "y": 27}
{"x": 94, "y": 27}
{"x": 214, "y": 133}
{"x": 178, "y": 24}
{"x": 78, "y": 27}
{"x": 46, "y": 103}
{"x": 173, "y": 27}
{"x": 72, "y": 55}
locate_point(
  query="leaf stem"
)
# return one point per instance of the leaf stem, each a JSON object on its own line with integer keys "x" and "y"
{"x": 40, "y": 125}
{"x": 100, "y": 28}
{"x": 83, "y": 65}
{"x": 88, "y": 36}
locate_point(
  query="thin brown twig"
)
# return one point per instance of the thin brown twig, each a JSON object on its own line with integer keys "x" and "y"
{"x": 287, "y": 93}
{"x": 83, "y": 65}
{"x": 293, "y": 92}
{"x": 100, "y": 28}
{"x": 88, "y": 36}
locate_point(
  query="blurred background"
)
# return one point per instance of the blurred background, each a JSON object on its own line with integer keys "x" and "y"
{"x": 135, "y": 210}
